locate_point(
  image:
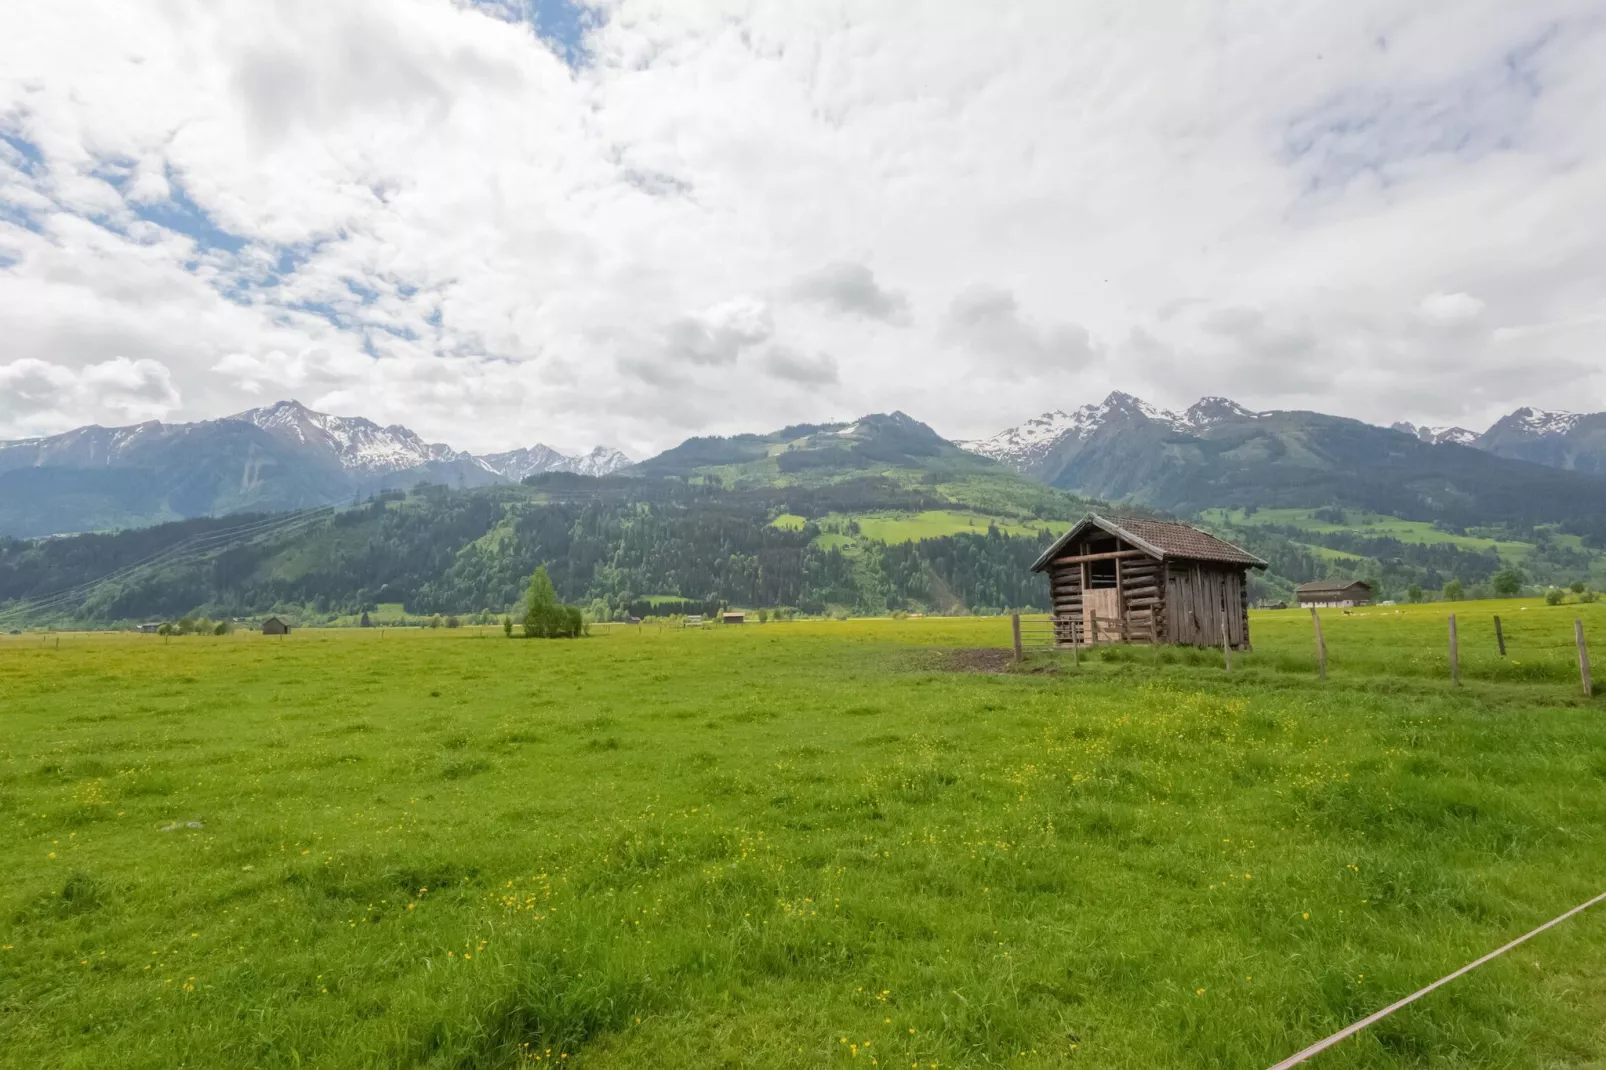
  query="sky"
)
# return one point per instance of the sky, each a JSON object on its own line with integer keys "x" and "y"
{"x": 516, "y": 221}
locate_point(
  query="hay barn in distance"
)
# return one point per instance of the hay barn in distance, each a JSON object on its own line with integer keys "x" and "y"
{"x": 275, "y": 626}
{"x": 1335, "y": 593}
{"x": 1136, "y": 580}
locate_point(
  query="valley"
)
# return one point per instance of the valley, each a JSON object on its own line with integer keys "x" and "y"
{"x": 874, "y": 516}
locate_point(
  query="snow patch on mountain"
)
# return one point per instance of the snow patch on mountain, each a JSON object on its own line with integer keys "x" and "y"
{"x": 1540, "y": 422}
{"x": 1023, "y": 445}
{"x": 515, "y": 465}
{"x": 600, "y": 461}
{"x": 1460, "y": 436}
{"x": 358, "y": 444}
{"x": 361, "y": 445}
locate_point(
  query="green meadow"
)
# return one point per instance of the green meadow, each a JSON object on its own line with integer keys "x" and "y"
{"x": 861, "y": 843}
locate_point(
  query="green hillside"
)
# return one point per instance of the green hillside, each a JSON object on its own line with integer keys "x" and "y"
{"x": 619, "y": 546}
{"x": 892, "y": 447}
{"x": 1395, "y": 554}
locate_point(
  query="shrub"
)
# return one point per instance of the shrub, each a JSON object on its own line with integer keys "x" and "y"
{"x": 1507, "y": 583}
{"x": 507, "y": 627}
{"x": 546, "y": 617}
{"x": 1453, "y": 591}
{"x": 453, "y": 622}
{"x": 1553, "y": 596}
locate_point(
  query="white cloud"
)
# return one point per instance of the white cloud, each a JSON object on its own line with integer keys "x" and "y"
{"x": 784, "y": 363}
{"x": 988, "y": 321}
{"x": 1450, "y": 309}
{"x": 418, "y": 211}
{"x": 719, "y": 335}
{"x": 40, "y": 397}
{"x": 852, "y": 289}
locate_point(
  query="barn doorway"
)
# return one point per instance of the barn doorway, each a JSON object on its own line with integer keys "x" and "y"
{"x": 1101, "y": 614}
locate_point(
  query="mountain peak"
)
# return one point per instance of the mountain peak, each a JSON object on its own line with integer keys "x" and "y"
{"x": 1460, "y": 436}
{"x": 1119, "y": 401}
{"x": 1023, "y": 446}
{"x": 1210, "y": 411}
{"x": 1534, "y": 421}
{"x": 534, "y": 460}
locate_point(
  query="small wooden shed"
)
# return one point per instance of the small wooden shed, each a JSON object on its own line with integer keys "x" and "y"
{"x": 1340, "y": 593}
{"x": 275, "y": 626}
{"x": 1136, "y": 580}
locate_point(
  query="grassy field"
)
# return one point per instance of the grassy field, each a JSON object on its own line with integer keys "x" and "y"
{"x": 802, "y": 844}
{"x": 934, "y": 523}
{"x": 1380, "y": 526}
{"x": 895, "y": 527}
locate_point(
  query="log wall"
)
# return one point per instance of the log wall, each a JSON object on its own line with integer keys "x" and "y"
{"x": 1182, "y": 602}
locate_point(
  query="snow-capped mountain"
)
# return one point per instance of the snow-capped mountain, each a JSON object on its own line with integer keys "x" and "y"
{"x": 1434, "y": 435}
{"x": 355, "y": 443}
{"x": 600, "y": 461}
{"x": 1024, "y": 447}
{"x": 1536, "y": 423}
{"x": 361, "y": 445}
{"x": 516, "y": 464}
{"x": 1570, "y": 440}
{"x": 282, "y": 456}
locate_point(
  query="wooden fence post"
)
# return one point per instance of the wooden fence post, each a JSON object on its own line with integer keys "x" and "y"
{"x": 1455, "y": 655}
{"x": 1321, "y": 644}
{"x": 1076, "y": 645}
{"x": 1583, "y": 659}
{"x": 1226, "y": 647}
{"x": 1014, "y": 623}
{"x": 1499, "y": 637}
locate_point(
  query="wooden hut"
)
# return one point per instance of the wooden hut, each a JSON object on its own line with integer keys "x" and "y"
{"x": 1135, "y": 580}
{"x": 275, "y": 626}
{"x": 1337, "y": 593}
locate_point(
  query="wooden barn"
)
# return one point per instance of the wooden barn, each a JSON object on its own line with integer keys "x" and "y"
{"x": 1134, "y": 580}
{"x": 1336, "y": 593}
{"x": 275, "y": 626}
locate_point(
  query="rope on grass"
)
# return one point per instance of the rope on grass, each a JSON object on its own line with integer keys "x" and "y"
{"x": 1349, "y": 1031}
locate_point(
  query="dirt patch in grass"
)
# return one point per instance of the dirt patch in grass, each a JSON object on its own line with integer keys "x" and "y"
{"x": 983, "y": 659}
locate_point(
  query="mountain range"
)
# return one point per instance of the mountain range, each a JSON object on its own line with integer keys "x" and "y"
{"x": 1568, "y": 440}
{"x": 881, "y": 513}
{"x": 1530, "y": 467}
{"x": 282, "y": 456}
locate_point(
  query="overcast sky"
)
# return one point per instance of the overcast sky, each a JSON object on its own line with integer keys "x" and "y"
{"x": 510, "y": 221}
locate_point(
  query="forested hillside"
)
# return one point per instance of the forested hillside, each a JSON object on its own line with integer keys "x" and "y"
{"x": 614, "y": 545}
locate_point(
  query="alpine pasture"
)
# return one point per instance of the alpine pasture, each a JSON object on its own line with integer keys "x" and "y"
{"x": 801, "y": 844}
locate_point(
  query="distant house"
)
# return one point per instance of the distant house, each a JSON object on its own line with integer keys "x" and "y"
{"x": 150, "y": 627}
{"x": 1335, "y": 593}
{"x": 1136, "y": 580}
{"x": 736, "y": 617}
{"x": 275, "y": 626}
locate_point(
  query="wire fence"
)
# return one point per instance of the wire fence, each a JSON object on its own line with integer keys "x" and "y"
{"x": 1077, "y": 632}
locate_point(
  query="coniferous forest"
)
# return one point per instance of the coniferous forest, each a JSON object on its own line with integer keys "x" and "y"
{"x": 616, "y": 547}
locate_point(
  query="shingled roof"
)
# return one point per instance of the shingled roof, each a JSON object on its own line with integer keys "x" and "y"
{"x": 1319, "y": 586}
{"x": 1168, "y": 540}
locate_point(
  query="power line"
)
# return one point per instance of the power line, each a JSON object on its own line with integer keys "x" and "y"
{"x": 1350, "y": 1030}
{"x": 194, "y": 547}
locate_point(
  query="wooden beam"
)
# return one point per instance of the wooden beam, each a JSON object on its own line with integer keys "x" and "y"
{"x": 1111, "y": 556}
